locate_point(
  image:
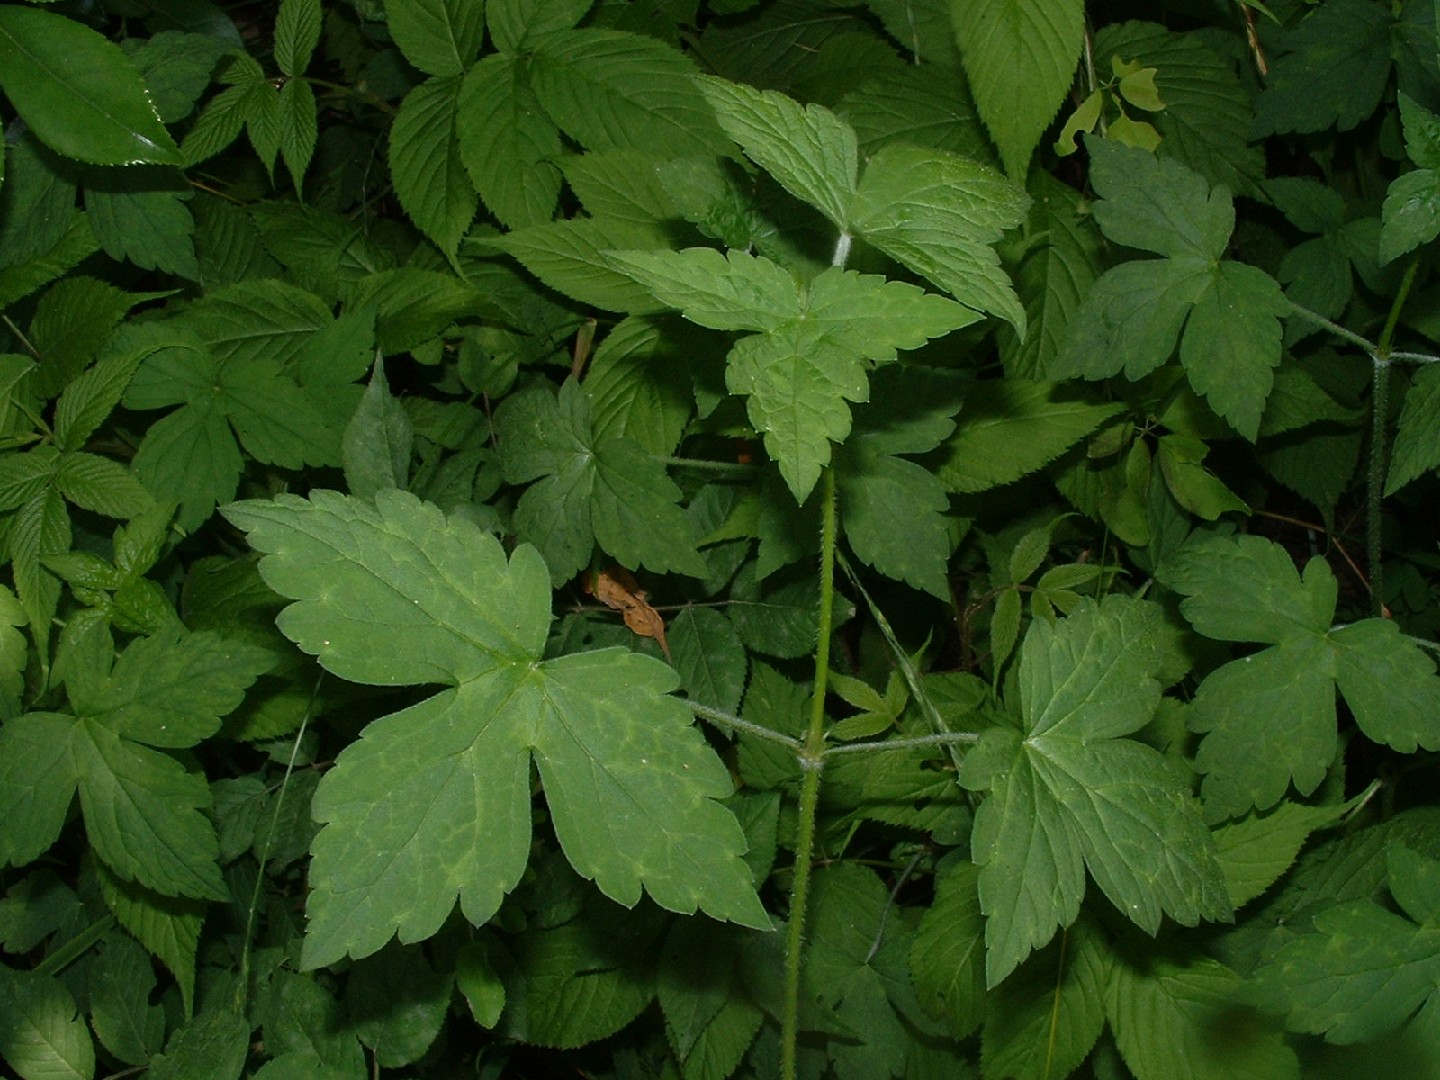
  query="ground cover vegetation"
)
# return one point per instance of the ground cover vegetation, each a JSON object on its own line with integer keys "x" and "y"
{"x": 590, "y": 538}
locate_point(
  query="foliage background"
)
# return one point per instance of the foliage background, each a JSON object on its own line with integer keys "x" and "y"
{"x": 666, "y": 539}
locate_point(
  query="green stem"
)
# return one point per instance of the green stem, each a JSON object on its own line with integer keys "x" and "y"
{"x": 812, "y": 760}
{"x": 949, "y": 738}
{"x": 1379, "y": 413}
{"x": 701, "y": 463}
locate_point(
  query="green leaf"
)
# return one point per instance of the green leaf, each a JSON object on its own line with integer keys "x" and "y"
{"x": 1208, "y": 112}
{"x": 99, "y": 485}
{"x": 1364, "y": 969}
{"x": 1135, "y": 312}
{"x": 807, "y": 148}
{"x": 1019, "y": 58}
{"x": 1054, "y": 1001}
{"x": 139, "y": 214}
{"x": 920, "y": 105}
{"x": 508, "y": 145}
{"x": 89, "y": 398}
{"x": 399, "y": 1003}
{"x": 947, "y": 958}
{"x": 216, "y": 1043}
{"x": 1071, "y": 794}
{"x": 168, "y": 926}
{"x": 590, "y": 491}
{"x": 637, "y": 385}
{"x": 1255, "y": 850}
{"x": 1417, "y": 436}
{"x": 37, "y": 784}
{"x": 513, "y": 22}
{"x": 572, "y": 257}
{"x": 725, "y": 291}
{"x": 440, "y": 37}
{"x": 452, "y": 817}
{"x": 1246, "y": 589}
{"x": 256, "y": 320}
{"x": 378, "y": 441}
{"x": 1010, "y": 428}
{"x": 710, "y": 1020}
{"x": 128, "y": 1025}
{"x": 299, "y": 127}
{"x": 426, "y": 165}
{"x": 939, "y": 214}
{"x": 1194, "y": 486}
{"x": 616, "y": 91}
{"x": 41, "y": 1035}
{"x": 1333, "y": 72}
{"x": 297, "y": 32}
{"x": 72, "y": 322}
{"x": 78, "y": 92}
{"x": 707, "y": 654}
{"x": 1178, "y": 1020}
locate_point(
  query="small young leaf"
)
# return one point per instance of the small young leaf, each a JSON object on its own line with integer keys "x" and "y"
{"x": 378, "y": 441}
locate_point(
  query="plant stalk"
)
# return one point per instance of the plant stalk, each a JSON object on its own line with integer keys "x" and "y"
{"x": 1379, "y": 413}
{"x": 812, "y": 761}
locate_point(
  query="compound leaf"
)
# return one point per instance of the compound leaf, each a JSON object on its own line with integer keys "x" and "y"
{"x": 1067, "y": 792}
{"x": 440, "y": 37}
{"x": 433, "y": 803}
{"x": 425, "y": 161}
{"x": 507, "y": 143}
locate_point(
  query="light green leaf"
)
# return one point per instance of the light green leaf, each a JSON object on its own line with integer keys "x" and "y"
{"x": 100, "y": 485}
{"x": 724, "y": 291}
{"x": 1389, "y": 684}
{"x": 1019, "y": 58}
{"x": 440, "y": 37}
{"x": 426, "y": 166}
{"x": 508, "y": 144}
{"x": 939, "y": 214}
{"x": 589, "y": 491}
{"x": 297, "y": 32}
{"x": 1411, "y": 213}
{"x": 378, "y": 441}
{"x": 807, "y": 148}
{"x": 797, "y": 397}
{"x": 1068, "y": 793}
{"x": 571, "y": 257}
{"x": 41, "y": 1035}
{"x": 1012, "y": 427}
{"x": 1232, "y": 343}
{"x": 172, "y": 689}
{"x": 452, "y": 818}
{"x": 610, "y": 90}
{"x": 622, "y": 184}
{"x": 78, "y": 92}
{"x": 1175, "y": 1021}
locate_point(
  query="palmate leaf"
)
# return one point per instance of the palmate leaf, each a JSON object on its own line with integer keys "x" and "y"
{"x": 1269, "y": 717}
{"x": 433, "y": 803}
{"x": 1067, "y": 792}
{"x": 590, "y": 490}
{"x": 1364, "y": 969}
{"x": 1134, "y": 314}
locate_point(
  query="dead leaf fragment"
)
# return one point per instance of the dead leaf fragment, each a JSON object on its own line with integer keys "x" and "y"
{"x": 617, "y": 588}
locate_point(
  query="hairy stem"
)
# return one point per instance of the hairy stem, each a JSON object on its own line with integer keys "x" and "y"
{"x": 812, "y": 759}
{"x": 1379, "y": 413}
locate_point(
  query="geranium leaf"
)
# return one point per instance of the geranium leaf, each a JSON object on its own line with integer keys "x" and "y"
{"x": 452, "y": 819}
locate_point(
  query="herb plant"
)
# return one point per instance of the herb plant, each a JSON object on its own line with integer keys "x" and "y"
{"x": 646, "y": 538}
